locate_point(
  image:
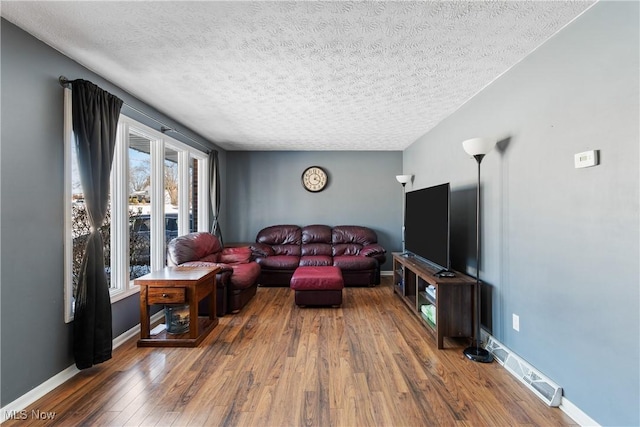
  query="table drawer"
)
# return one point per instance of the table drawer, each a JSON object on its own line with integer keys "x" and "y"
{"x": 166, "y": 295}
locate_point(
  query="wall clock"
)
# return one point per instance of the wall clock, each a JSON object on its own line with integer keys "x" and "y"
{"x": 314, "y": 179}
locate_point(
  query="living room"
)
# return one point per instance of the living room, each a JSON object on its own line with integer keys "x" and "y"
{"x": 560, "y": 245}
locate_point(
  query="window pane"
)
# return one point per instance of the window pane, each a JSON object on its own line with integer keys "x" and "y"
{"x": 139, "y": 206}
{"x": 170, "y": 196}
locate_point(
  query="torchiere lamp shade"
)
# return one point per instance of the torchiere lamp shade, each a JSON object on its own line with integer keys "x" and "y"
{"x": 478, "y": 146}
{"x": 403, "y": 179}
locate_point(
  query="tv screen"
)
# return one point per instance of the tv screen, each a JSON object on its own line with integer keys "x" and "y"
{"x": 427, "y": 224}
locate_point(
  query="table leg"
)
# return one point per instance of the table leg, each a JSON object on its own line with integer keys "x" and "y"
{"x": 213, "y": 303}
{"x": 193, "y": 312}
{"x": 145, "y": 327}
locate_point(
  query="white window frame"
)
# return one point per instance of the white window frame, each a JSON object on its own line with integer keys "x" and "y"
{"x": 121, "y": 286}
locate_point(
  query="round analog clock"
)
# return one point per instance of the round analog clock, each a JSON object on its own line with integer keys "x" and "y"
{"x": 314, "y": 179}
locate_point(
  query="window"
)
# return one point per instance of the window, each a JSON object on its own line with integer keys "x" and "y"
{"x": 139, "y": 202}
{"x": 155, "y": 196}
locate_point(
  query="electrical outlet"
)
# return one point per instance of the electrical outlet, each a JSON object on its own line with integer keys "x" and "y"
{"x": 586, "y": 159}
{"x": 516, "y": 322}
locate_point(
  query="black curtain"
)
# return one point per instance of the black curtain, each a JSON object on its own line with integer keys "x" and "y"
{"x": 214, "y": 193}
{"x": 95, "y": 123}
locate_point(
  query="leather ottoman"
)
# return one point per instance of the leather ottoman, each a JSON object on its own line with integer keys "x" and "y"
{"x": 317, "y": 285}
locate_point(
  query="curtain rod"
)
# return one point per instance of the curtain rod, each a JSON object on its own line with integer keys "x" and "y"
{"x": 64, "y": 82}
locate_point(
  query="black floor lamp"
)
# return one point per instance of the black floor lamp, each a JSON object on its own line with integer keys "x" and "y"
{"x": 403, "y": 179}
{"x": 478, "y": 148}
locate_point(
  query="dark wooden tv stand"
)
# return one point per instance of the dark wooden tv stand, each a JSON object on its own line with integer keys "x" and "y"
{"x": 453, "y": 300}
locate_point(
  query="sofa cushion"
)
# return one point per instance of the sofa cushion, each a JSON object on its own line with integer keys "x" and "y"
{"x": 235, "y": 255}
{"x": 192, "y": 247}
{"x": 349, "y": 262}
{"x": 311, "y": 249}
{"x": 279, "y": 262}
{"x": 316, "y": 260}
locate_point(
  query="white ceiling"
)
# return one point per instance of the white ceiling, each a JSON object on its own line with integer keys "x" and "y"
{"x": 298, "y": 75}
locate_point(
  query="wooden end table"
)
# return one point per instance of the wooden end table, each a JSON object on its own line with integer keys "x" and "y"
{"x": 178, "y": 286}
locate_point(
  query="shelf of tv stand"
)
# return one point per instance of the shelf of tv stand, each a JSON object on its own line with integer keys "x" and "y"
{"x": 454, "y": 300}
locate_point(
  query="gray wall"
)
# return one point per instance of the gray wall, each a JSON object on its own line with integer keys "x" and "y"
{"x": 560, "y": 245}
{"x": 265, "y": 189}
{"x": 36, "y": 343}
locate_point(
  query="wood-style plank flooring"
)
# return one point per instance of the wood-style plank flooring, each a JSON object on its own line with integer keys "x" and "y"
{"x": 368, "y": 363}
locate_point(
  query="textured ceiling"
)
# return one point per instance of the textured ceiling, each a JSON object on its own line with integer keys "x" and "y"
{"x": 298, "y": 75}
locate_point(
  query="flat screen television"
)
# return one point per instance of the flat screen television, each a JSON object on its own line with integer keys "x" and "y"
{"x": 427, "y": 224}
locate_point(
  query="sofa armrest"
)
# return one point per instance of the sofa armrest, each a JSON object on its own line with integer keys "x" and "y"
{"x": 373, "y": 250}
{"x": 237, "y": 255}
{"x": 261, "y": 250}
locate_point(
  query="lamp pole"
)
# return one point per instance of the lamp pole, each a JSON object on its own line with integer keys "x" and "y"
{"x": 404, "y": 207}
{"x": 478, "y": 147}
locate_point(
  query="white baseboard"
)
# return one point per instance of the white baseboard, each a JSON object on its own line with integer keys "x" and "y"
{"x": 14, "y": 408}
{"x": 576, "y": 414}
{"x": 386, "y": 273}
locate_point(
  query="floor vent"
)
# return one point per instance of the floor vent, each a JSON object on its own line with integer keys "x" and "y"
{"x": 542, "y": 386}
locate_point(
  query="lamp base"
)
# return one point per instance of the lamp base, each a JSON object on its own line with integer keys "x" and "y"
{"x": 478, "y": 354}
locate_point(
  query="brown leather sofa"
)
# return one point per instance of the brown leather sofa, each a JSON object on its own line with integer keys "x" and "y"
{"x": 280, "y": 249}
{"x": 237, "y": 282}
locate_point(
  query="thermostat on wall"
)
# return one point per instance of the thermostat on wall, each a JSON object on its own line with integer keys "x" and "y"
{"x": 586, "y": 159}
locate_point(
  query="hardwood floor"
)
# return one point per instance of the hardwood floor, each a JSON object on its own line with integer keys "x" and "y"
{"x": 368, "y": 363}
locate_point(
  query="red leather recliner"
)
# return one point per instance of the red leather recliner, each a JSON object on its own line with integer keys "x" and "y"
{"x": 236, "y": 283}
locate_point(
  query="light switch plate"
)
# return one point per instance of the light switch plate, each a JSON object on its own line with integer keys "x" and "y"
{"x": 586, "y": 159}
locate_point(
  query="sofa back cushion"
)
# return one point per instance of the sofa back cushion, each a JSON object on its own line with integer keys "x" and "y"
{"x": 284, "y": 239}
{"x": 280, "y": 235}
{"x": 316, "y": 234}
{"x": 193, "y": 247}
{"x": 349, "y": 239}
{"x": 316, "y": 240}
{"x": 353, "y": 234}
